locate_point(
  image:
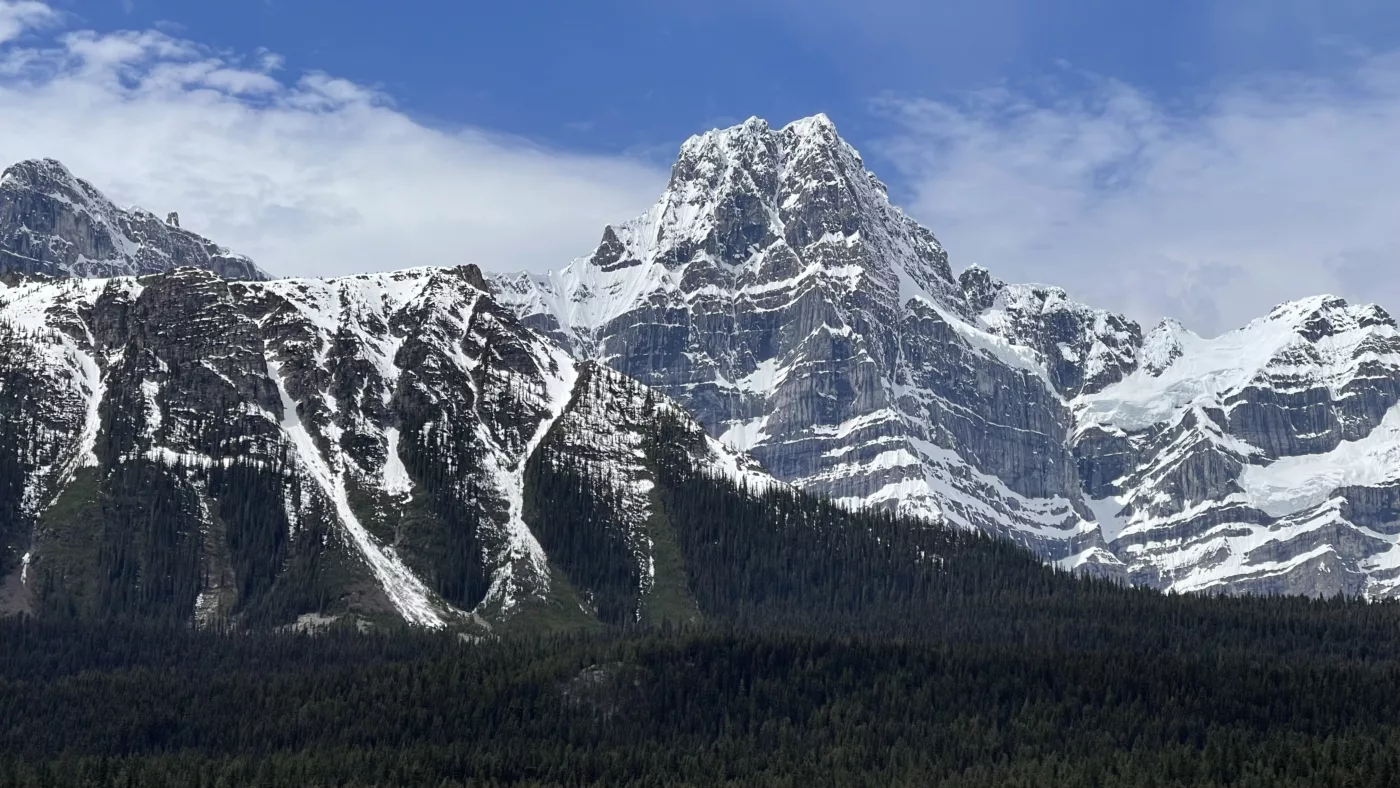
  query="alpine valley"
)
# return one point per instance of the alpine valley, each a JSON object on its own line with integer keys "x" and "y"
{"x": 183, "y": 438}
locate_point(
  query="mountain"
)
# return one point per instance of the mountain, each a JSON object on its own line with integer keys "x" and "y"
{"x": 56, "y": 224}
{"x": 776, "y": 293}
{"x": 183, "y": 447}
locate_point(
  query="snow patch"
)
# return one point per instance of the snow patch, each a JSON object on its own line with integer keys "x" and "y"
{"x": 150, "y": 391}
{"x": 396, "y": 480}
{"x": 1291, "y": 484}
{"x": 1108, "y": 515}
{"x": 521, "y": 545}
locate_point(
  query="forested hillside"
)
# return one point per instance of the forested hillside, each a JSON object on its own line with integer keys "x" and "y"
{"x": 826, "y": 648}
{"x": 140, "y": 707}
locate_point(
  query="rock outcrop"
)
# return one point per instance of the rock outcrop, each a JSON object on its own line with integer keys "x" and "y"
{"x": 55, "y": 224}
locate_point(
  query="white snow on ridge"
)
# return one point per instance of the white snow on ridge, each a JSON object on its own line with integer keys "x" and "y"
{"x": 942, "y": 485}
{"x": 1291, "y": 484}
{"x": 739, "y": 467}
{"x": 583, "y": 297}
{"x": 1090, "y": 556}
{"x": 1208, "y": 371}
{"x": 1235, "y": 571}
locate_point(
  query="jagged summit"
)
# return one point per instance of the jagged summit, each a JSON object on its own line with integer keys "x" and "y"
{"x": 818, "y": 124}
{"x": 1163, "y": 345}
{"x": 54, "y": 223}
{"x": 817, "y": 128}
{"x": 47, "y": 175}
{"x": 735, "y": 191}
{"x": 749, "y": 210}
{"x": 1328, "y": 315}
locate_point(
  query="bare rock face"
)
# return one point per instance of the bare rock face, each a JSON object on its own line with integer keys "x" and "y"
{"x": 186, "y": 447}
{"x": 55, "y": 224}
{"x": 775, "y": 292}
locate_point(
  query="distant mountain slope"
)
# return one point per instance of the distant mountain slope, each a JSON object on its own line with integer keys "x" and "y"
{"x": 56, "y": 224}
{"x": 1264, "y": 460}
{"x": 775, "y": 292}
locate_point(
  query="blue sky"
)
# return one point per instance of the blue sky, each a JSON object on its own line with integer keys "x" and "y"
{"x": 638, "y": 76}
{"x": 1199, "y": 159}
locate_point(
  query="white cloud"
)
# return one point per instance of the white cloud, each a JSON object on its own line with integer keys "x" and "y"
{"x": 309, "y": 175}
{"x": 1265, "y": 191}
{"x": 16, "y": 17}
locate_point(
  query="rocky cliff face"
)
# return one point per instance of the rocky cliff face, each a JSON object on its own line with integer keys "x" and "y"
{"x": 188, "y": 447}
{"x": 1263, "y": 460}
{"x": 775, "y": 292}
{"x": 1081, "y": 349}
{"x": 56, "y": 224}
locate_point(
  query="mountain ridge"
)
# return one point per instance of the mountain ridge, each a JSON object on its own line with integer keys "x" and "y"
{"x": 189, "y": 447}
{"x": 777, "y": 294}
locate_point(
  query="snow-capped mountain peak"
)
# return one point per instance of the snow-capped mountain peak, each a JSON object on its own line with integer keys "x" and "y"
{"x": 773, "y": 261}
{"x": 1164, "y": 344}
{"x": 751, "y": 209}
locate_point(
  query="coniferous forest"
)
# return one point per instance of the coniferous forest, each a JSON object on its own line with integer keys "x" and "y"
{"x": 830, "y": 648}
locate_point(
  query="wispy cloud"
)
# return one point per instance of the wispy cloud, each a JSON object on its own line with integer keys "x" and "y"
{"x": 1266, "y": 190}
{"x": 308, "y": 173}
{"x": 16, "y": 17}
